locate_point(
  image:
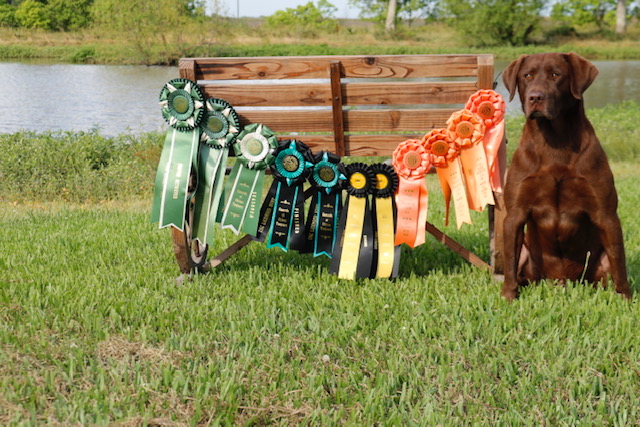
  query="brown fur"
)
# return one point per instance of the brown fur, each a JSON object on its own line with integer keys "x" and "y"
{"x": 561, "y": 202}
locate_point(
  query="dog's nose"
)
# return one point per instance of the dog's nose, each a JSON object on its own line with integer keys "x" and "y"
{"x": 536, "y": 96}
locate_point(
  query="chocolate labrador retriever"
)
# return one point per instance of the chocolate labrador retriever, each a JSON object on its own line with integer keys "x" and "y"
{"x": 560, "y": 197}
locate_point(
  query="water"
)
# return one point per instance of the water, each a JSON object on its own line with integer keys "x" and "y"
{"x": 113, "y": 99}
{"x": 124, "y": 99}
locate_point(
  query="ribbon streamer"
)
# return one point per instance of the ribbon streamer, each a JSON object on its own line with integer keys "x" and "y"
{"x": 443, "y": 154}
{"x": 282, "y": 213}
{"x": 411, "y": 162}
{"x": 387, "y": 254}
{"x": 466, "y": 129}
{"x": 219, "y": 129}
{"x": 353, "y": 256}
{"x": 490, "y": 106}
{"x": 327, "y": 179}
{"x": 254, "y": 149}
{"x": 181, "y": 102}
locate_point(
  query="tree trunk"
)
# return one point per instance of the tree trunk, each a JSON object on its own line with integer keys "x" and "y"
{"x": 621, "y": 17}
{"x": 390, "y": 24}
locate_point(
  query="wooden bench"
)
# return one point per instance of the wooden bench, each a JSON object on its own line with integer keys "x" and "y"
{"x": 357, "y": 105}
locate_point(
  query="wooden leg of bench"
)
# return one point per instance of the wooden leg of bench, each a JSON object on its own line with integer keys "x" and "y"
{"x": 457, "y": 247}
{"x": 227, "y": 253}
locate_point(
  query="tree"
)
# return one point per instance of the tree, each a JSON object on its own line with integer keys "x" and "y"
{"x": 388, "y": 11}
{"x": 306, "y": 20}
{"x": 494, "y": 22}
{"x": 583, "y": 12}
{"x": 621, "y": 17}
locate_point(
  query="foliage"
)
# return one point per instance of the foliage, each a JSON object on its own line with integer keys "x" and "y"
{"x": 407, "y": 9}
{"x": 69, "y": 14}
{"x": 582, "y": 12}
{"x": 8, "y": 16}
{"x": 305, "y": 20}
{"x": 33, "y": 14}
{"x": 494, "y": 22}
{"x": 81, "y": 166}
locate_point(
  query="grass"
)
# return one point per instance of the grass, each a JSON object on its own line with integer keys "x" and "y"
{"x": 248, "y": 38}
{"x": 94, "y": 330}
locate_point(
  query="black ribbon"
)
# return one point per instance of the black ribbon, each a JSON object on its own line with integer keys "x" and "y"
{"x": 281, "y": 220}
{"x": 327, "y": 180}
{"x": 383, "y": 196}
{"x": 361, "y": 182}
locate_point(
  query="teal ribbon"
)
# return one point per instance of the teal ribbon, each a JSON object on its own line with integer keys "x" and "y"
{"x": 254, "y": 148}
{"x": 219, "y": 129}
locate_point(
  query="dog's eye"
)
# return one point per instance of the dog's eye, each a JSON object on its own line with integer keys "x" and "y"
{"x": 555, "y": 75}
{"x": 528, "y": 76}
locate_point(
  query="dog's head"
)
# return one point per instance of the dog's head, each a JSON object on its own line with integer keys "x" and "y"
{"x": 549, "y": 83}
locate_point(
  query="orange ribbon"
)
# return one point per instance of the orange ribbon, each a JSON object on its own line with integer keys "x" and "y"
{"x": 411, "y": 162}
{"x": 466, "y": 130}
{"x": 490, "y": 106}
{"x": 443, "y": 153}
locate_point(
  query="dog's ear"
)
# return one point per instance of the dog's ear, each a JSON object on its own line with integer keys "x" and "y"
{"x": 584, "y": 73}
{"x": 510, "y": 76}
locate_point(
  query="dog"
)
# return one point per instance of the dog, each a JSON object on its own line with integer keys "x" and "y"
{"x": 561, "y": 202}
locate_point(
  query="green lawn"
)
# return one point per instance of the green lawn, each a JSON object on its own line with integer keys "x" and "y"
{"x": 94, "y": 330}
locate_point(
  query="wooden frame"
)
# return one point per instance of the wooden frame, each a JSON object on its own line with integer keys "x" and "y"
{"x": 355, "y": 105}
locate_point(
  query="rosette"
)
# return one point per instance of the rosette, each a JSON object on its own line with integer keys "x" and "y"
{"x": 326, "y": 178}
{"x": 490, "y": 106}
{"x": 182, "y": 107}
{"x": 254, "y": 149}
{"x": 353, "y": 256}
{"x": 466, "y": 130}
{"x": 443, "y": 153}
{"x": 384, "y": 214}
{"x": 218, "y": 129}
{"x": 282, "y": 213}
{"x": 411, "y": 162}
{"x": 182, "y": 104}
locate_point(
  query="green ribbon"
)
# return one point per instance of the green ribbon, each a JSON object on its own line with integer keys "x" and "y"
{"x": 219, "y": 129}
{"x": 172, "y": 179}
{"x": 182, "y": 107}
{"x": 254, "y": 148}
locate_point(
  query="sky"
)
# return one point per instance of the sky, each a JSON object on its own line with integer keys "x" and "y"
{"x": 255, "y": 8}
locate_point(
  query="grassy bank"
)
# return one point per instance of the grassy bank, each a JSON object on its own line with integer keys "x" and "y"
{"x": 88, "y": 167}
{"x": 227, "y": 38}
{"x": 93, "y": 329}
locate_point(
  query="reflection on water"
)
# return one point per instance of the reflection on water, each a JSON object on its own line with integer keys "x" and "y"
{"x": 118, "y": 99}
{"x": 114, "y": 99}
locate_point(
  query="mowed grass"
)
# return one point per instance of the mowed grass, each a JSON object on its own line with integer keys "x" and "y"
{"x": 94, "y": 330}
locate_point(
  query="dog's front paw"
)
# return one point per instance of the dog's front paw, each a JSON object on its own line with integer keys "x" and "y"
{"x": 509, "y": 293}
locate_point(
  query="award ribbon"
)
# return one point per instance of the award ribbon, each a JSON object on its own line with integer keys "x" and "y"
{"x": 285, "y": 202}
{"x": 490, "y": 106}
{"x": 353, "y": 256}
{"x": 443, "y": 154}
{"x": 411, "y": 162}
{"x": 181, "y": 103}
{"x": 466, "y": 129}
{"x": 218, "y": 129}
{"x": 327, "y": 178}
{"x": 384, "y": 214}
{"x": 254, "y": 150}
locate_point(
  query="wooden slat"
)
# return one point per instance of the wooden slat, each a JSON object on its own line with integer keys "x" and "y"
{"x": 302, "y": 95}
{"x": 187, "y": 69}
{"x": 393, "y": 120}
{"x": 403, "y": 93}
{"x": 485, "y": 72}
{"x": 355, "y": 93}
{"x": 354, "y": 66}
{"x": 337, "y": 113}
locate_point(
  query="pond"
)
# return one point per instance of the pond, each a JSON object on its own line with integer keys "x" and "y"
{"x": 124, "y": 99}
